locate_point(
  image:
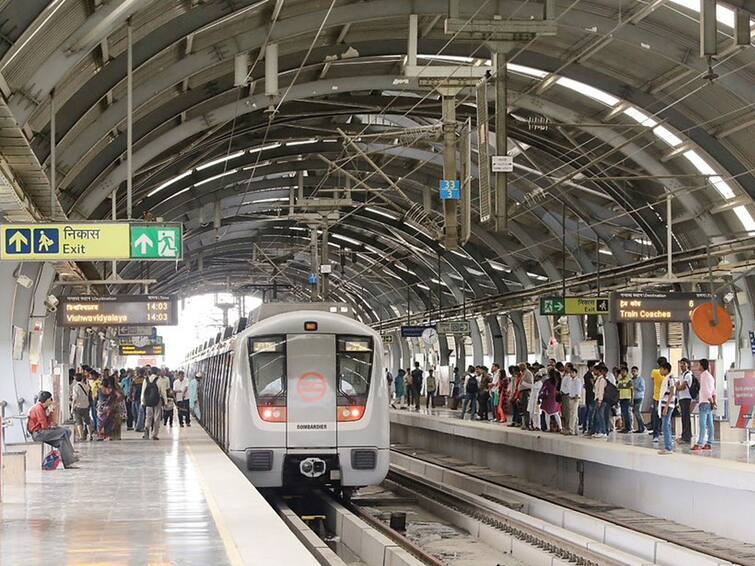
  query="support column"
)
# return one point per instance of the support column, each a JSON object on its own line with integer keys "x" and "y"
{"x": 324, "y": 277}
{"x": 648, "y": 357}
{"x": 129, "y": 119}
{"x": 477, "y": 352}
{"x": 500, "y": 202}
{"x": 314, "y": 270}
{"x": 395, "y": 353}
{"x": 443, "y": 350}
{"x": 449, "y": 168}
{"x": 460, "y": 351}
{"x": 496, "y": 338}
{"x": 611, "y": 350}
{"x": 576, "y": 335}
{"x": 520, "y": 336}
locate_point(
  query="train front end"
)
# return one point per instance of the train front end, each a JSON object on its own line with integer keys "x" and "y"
{"x": 318, "y": 403}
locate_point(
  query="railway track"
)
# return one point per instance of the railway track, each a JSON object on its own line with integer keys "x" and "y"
{"x": 588, "y": 522}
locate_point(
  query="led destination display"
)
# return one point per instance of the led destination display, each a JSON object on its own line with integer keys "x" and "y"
{"x": 655, "y": 307}
{"x": 119, "y": 310}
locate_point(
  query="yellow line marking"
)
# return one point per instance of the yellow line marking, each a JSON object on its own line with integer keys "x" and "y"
{"x": 230, "y": 546}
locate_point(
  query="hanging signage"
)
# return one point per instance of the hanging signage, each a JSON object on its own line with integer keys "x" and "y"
{"x": 413, "y": 331}
{"x": 139, "y": 341}
{"x": 95, "y": 241}
{"x": 118, "y": 310}
{"x": 453, "y": 327}
{"x": 387, "y": 338}
{"x": 741, "y": 397}
{"x": 450, "y": 189}
{"x": 655, "y": 307}
{"x": 573, "y": 305}
{"x": 136, "y": 331}
{"x": 151, "y": 350}
{"x": 502, "y": 163}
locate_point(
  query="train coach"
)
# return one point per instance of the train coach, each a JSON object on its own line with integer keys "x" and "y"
{"x": 298, "y": 398}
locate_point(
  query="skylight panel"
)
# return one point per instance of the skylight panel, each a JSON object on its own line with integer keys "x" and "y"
{"x": 589, "y": 91}
{"x": 704, "y": 168}
{"x": 346, "y": 239}
{"x": 421, "y": 286}
{"x": 215, "y": 177}
{"x": 169, "y": 183}
{"x": 221, "y": 160}
{"x": 724, "y": 15}
{"x": 302, "y": 142}
{"x": 380, "y": 212}
{"x": 665, "y": 134}
{"x": 640, "y": 117}
{"x": 523, "y": 70}
{"x": 273, "y": 145}
{"x": 745, "y": 218}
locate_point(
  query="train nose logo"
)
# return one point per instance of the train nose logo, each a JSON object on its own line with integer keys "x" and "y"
{"x": 312, "y": 386}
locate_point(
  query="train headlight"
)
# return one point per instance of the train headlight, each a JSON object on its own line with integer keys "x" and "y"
{"x": 350, "y": 413}
{"x": 272, "y": 414}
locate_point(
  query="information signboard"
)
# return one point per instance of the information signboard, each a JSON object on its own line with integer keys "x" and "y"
{"x": 118, "y": 310}
{"x": 573, "y": 305}
{"x": 151, "y": 350}
{"x": 450, "y": 189}
{"x": 502, "y": 163}
{"x": 453, "y": 327}
{"x": 741, "y": 397}
{"x": 413, "y": 331}
{"x": 92, "y": 241}
{"x": 655, "y": 307}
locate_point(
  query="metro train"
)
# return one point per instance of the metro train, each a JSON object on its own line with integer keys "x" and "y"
{"x": 298, "y": 398}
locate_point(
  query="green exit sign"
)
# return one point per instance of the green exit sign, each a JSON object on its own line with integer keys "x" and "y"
{"x": 156, "y": 241}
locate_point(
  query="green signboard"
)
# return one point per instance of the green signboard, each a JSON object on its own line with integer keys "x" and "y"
{"x": 156, "y": 242}
{"x": 558, "y": 306}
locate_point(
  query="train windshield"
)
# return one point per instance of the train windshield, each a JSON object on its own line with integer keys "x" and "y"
{"x": 354, "y": 369}
{"x": 267, "y": 362}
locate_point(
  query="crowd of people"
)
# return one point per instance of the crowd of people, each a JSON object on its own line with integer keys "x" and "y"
{"x": 556, "y": 398}
{"x": 144, "y": 399}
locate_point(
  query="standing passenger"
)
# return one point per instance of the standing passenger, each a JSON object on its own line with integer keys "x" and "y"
{"x": 471, "y": 389}
{"x": 657, "y": 382}
{"x": 80, "y": 403}
{"x": 154, "y": 398}
{"x": 431, "y": 386}
{"x": 127, "y": 381}
{"x": 666, "y": 407}
{"x": 525, "y": 389}
{"x": 685, "y": 400}
{"x": 707, "y": 397}
{"x": 600, "y": 425}
{"x": 136, "y": 400}
{"x": 194, "y": 395}
{"x": 638, "y": 387}
{"x": 516, "y": 381}
{"x": 417, "y": 384}
{"x": 533, "y": 402}
{"x": 181, "y": 392}
{"x": 571, "y": 388}
{"x": 624, "y": 384}
{"x": 399, "y": 386}
{"x": 588, "y": 380}
{"x": 550, "y": 404}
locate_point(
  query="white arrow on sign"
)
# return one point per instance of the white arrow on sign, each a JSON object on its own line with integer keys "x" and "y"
{"x": 144, "y": 242}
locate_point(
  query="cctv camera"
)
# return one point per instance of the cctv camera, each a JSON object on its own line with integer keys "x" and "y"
{"x": 24, "y": 281}
{"x": 53, "y": 300}
{"x": 89, "y": 330}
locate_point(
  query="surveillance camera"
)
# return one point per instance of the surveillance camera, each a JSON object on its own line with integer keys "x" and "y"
{"x": 89, "y": 330}
{"x": 101, "y": 334}
{"x": 51, "y": 303}
{"x": 24, "y": 281}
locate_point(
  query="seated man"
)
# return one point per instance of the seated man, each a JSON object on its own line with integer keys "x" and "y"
{"x": 41, "y": 431}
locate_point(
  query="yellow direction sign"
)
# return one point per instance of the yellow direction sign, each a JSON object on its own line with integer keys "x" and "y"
{"x": 102, "y": 241}
{"x": 50, "y": 242}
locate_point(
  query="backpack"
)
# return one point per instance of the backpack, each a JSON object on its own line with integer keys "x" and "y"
{"x": 611, "y": 394}
{"x": 694, "y": 388}
{"x": 472, "y": 385}
{"x": 151, "y": 393}
{"x": 430, "y": 383}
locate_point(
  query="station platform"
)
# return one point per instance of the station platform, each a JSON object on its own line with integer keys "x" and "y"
{"x": 713, "y": 492}
{"x": 178, "y": 500}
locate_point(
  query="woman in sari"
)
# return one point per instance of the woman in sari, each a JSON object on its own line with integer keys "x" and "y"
{"x": 106, "y": 401}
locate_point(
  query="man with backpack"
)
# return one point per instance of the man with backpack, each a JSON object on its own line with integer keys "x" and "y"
{"x": 431, "y": 386}
{"x": 471, "y": 389}
{"x": 417, "y": 384}
{"x": 154, "y": 397}
{"x": 684, "y": 397}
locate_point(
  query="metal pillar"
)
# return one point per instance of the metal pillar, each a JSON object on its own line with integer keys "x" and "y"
{"x": 477, "y": 351}
{"x": 460, "y": 351}
{"x": 669, "y": 238}
{"x": 611, "y": 349}
{"x": 129, "y": 118}
{"x": 520, "y": 336}
{"x": 449, "y": 167}
{"x": 52, "y": 156}
{"x": 114, "y": 211}
{"x": 501, "y": 201}
{"x": 313, "y": 246}
{"x": 648, "y": 357}
{"x": 324, "y": 277}
{"x": 496, "y": 339}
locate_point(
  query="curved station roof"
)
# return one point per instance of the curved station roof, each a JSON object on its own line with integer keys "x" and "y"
{"x": 608, "y": 117}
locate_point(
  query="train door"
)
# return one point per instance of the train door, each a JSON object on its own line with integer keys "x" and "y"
{"x": 311, "y": 364}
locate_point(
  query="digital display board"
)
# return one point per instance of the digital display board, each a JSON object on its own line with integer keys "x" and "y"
{"x": 150, "y": 350}
{"x": 118, "y": 310}
{"x": 655, "y": 307}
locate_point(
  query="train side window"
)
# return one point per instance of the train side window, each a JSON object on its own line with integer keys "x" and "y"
{"x": 354, "y": 369}
{"x": 267, "y": 362}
